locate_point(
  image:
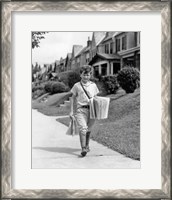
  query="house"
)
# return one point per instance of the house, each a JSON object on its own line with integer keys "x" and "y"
{"x": 68, "y": 62}
{"x": 82, "y": 55}
{"x": 97, "y": 37}
{"x": 107, "y": 52}
{"x": 114, "y": 51}
{"x": 80, "y": 58}
{"x": 87, "y": 52}
{"x": 60, "y": 65}
{"x": 106, "y": 61}
{"x": 56, "y": 66}
{"x": 128, "y": 47}
{"x": 75, "y": 51}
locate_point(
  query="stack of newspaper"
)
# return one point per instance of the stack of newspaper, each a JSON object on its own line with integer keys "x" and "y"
{"x": 99, "y": 107}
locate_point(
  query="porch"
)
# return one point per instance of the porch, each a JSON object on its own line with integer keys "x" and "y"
{"x": 105, "y": 64}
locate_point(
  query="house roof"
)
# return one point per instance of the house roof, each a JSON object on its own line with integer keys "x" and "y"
{"x": 80, "y": 52}
{"x": 57, "y": 62}
{"x": 104, "y": 56}
{"x": 76, "y": 49}
{"x": 117, "y": 33}
{"x": 87, "y": 48}
{"x": 109, "y": 56}
{"x": 109, "y": 35}
{"x": 69, "y": 55}
{"x": 98, "y": 36}
{"x": 62, "y": 60}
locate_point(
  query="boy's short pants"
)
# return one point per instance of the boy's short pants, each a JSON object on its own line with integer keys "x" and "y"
{"x": 83, "y": 120}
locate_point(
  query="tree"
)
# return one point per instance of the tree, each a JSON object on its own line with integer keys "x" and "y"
{"x": 36, "y": 37}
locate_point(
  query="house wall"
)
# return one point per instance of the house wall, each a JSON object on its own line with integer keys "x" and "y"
{"x": 131, "y": 40}
{"x": 102, "y": 48}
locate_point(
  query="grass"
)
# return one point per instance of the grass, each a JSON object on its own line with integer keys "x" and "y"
{"x": 51, "y": 106}
{"x": 120, "y": 132}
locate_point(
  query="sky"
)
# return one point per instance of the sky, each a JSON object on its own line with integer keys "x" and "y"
{"x": 57, "y": 45}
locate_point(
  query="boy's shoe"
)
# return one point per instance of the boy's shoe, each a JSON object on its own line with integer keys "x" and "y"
{"x": 84, "y": 152}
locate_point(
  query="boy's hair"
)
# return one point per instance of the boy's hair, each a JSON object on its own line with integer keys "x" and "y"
{"x": 86, "y": 69}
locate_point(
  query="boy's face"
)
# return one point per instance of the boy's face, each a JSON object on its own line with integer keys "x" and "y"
{"x": 85, "y": 76}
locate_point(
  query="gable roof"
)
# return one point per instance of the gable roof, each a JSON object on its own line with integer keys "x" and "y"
{"x": 109, "y": 35}
{"x": 104, "y": 56}
{"x": 80, "y": 52}
{"x": 98, "y": 37}
{"x": 69, "y": 55}
{"x": 57, "y": 62}
{"x": 76, "y": 49}
{"x": 109, "y": 56}
{"x": 117, "y": 33}
{"x": 87, "y": 49}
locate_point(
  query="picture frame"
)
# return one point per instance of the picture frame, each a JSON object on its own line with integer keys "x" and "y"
{"x": 7, "y": 192}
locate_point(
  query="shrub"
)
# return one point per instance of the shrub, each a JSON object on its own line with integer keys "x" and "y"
{"x": 69, "y": 78}
{"x": 37, "y": 87}
{"x": 111, "y": 84}
{"x": 58, "y": 87}
{"x": 129, "y": 79}
{"x": 37, "y": 93}
{"x": 48, "y": 87}
{"x": 95, "y": 80}
{"x": 73, "y": 78}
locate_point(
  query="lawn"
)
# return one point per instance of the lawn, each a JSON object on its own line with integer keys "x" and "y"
{"x": 121, "y": 131}
{"x": 49, "y": 104}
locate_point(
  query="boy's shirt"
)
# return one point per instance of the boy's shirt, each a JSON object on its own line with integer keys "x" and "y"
{"x": 81, "y": 97}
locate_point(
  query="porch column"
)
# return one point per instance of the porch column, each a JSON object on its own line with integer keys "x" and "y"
{"x": 121, "y": 63}
{"x": 107, "y": 71}
{"x": 100, "y": 70}
{"x": 111, "y": 68}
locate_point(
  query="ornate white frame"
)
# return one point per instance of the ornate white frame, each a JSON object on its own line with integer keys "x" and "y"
{"x": 6, "y": 9}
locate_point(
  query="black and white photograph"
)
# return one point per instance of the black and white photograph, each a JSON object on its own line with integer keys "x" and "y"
{"x": 85, "y": 100}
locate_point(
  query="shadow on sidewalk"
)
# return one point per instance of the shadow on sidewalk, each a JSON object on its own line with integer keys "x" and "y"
{"x": 59, "y": 150}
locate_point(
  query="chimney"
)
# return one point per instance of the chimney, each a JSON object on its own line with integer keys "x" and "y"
{"x": 88, "y": 42}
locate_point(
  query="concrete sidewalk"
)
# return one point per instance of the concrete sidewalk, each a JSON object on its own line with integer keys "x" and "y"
{"x": 53, "y": 149}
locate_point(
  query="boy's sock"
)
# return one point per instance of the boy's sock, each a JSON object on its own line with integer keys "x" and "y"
{"x": 83, "y": 144}
{"x": 88, "y": 140}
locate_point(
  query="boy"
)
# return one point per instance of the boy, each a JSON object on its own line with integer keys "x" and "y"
{"x": 82, "y": 106}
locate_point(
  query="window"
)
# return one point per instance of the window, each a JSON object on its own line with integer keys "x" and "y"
{"x": 96, "y": 71}
{"x": 87, "y": 60}
{"x": 117, "y": 45}
{"x": 124, "y": 43}
{"x": 107, "y": 48}
{"x": 111, "y": 48}
{"x": 116, "y": 68}
{"x": 73, "y": 62}
{"x": 78, "y": 60}
{"x": 104, "y": 69}
{"x": 87, "y": 57}
{"x": 137, "y": 38}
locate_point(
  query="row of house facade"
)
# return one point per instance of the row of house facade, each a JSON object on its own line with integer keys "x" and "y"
{"x": 107, "y": 52}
